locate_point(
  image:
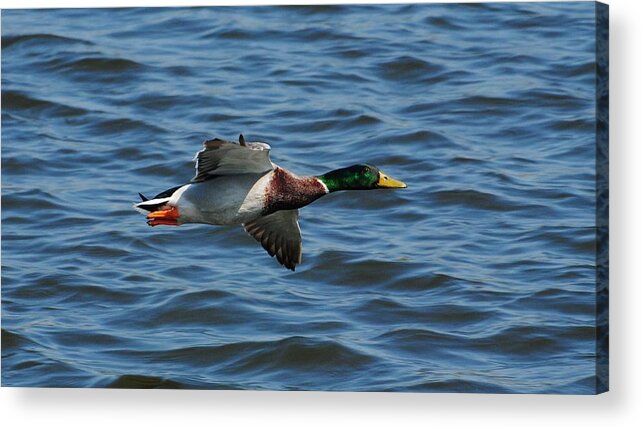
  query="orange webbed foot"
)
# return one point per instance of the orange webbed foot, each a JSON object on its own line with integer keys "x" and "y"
{"x": 167, "y": 217}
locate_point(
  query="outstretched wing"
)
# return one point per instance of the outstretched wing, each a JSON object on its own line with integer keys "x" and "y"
{"x": 280, "y": 235}
{"x": 220, "y": 157}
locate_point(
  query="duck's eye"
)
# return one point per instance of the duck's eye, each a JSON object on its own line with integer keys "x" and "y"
{"x": 385, "y": 178}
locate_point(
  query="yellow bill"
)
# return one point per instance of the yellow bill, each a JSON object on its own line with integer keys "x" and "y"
{"x": 389, "y": 182}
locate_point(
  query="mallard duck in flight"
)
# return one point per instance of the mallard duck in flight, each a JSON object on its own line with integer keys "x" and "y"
{"x": 238, "y": 184}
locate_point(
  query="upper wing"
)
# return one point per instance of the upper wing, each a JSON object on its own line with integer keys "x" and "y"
{"x": 280, "y": 235}
{"x": 220, "y": 157}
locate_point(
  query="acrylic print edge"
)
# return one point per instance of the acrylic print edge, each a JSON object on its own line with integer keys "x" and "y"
{"x": 602, "y": 197}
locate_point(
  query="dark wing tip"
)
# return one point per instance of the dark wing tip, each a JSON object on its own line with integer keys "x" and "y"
{"x": 291, "y": 264}
{"x": 142, "y": 197}
{"x": 288, "y": 254}
{"x": 288, "y": 258}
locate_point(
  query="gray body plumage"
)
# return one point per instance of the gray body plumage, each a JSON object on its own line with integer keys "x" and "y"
{"x": 224, "y": 200}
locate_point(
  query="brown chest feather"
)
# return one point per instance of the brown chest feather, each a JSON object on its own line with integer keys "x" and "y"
{"x": 286, "y": 191}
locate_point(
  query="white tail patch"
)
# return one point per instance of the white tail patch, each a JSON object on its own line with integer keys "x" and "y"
{"x": 146, "y": 206}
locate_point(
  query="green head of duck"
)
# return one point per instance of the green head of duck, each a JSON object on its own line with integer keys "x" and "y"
{"x": 359, "y": 177}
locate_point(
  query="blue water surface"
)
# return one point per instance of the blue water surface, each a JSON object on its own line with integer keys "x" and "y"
{"x": 479, "y": 277}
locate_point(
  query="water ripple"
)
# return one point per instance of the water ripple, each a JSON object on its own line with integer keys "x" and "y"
{"x": 40, "y": 39}
{"x": 408, "y": 69}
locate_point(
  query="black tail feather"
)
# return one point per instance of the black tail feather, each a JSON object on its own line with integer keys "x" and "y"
{"x": 155, "y": 205}
{"x": 167, "y": 193}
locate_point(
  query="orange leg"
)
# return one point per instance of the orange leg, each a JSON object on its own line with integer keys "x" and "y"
{"x": 168, "y": 217}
